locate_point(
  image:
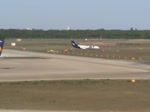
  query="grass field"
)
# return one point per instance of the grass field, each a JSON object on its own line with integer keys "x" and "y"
{"x": 94, "y": 95}
{"x": 137, "y": 49}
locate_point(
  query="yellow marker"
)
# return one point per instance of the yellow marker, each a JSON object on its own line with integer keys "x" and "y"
{"x": 133, "y": 81}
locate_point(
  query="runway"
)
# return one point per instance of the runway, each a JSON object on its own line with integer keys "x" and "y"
{"x": 26, "y": 66}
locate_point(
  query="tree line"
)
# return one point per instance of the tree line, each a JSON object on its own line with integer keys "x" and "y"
{"x": 68, "y": 34}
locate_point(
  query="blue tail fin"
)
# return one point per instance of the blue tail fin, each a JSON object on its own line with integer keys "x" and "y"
{"x": 74, "y": 44}
{"x": 1, "y": 46}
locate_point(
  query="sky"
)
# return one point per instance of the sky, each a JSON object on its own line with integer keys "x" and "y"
{"x": 77, "y": 14}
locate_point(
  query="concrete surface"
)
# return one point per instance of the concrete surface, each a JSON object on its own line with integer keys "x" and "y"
{"x": 25, "y": 66}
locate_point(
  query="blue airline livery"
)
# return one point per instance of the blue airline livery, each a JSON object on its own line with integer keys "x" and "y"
{"x": 1, "y": 46}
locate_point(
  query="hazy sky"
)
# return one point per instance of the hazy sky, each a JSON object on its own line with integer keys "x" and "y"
{"x": 78, "y": 14}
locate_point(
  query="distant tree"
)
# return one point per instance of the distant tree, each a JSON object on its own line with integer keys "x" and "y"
{"x": 2, "y": 37}
{"x": 64, "y": 34}
{"x": 131, "y": 29}
{"x": 136, "y": 29}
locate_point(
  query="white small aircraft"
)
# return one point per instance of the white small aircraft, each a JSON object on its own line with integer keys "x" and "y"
{"x": 83, "y": 46}
{"x": 1, "y": 46}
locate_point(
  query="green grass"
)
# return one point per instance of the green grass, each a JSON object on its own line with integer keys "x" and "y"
{"x": 110, "y": 95}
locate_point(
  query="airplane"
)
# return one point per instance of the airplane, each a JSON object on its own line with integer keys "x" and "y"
{"x": 1, "y": 46}
{"x": 83, "y": 46}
